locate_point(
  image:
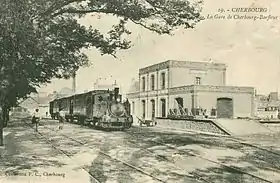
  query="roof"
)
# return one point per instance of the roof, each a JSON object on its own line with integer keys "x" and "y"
{"x": 183, "y": 64}
{"x": 78, "y": 94}
{"x": 38, "y": 100}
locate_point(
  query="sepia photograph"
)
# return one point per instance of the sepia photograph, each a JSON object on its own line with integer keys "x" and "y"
{"x": 140, "y": 91}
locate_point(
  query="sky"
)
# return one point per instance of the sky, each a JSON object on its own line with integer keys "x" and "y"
{"x": 251, "y": 49}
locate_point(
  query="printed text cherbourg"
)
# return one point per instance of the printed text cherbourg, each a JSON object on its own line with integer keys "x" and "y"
{"x": 38, "y": 174}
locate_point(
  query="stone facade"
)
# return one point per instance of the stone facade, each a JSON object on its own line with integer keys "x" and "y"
{"x": 186, "y": 87}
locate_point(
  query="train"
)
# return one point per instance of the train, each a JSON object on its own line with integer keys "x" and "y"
{"x": 102, "y": 109}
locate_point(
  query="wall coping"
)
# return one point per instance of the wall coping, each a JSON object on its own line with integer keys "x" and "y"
{"x": 182, "y": 64}
{"x": 188, "y": 119}
{"x": 200, "y": 88}
{"x": 212, "y": 88}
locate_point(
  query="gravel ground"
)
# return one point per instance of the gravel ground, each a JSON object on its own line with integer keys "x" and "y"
{"x": 143, "y": 148}
{"x": 224, "y": 151}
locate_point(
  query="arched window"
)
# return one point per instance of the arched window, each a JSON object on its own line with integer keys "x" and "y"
{"x": 162, "y": 77}
{"x": 143, "y": 84}
{"x": 152, "y": 82}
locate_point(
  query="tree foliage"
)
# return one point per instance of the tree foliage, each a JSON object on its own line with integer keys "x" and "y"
{"x": 42, "y": 39}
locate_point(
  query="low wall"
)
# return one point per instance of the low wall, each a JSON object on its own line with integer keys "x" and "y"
{"x": 267, "y": 114}
{"x": 191, "y": 124}
{"x": 274, "y": 126}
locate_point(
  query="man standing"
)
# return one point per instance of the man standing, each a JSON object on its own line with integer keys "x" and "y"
{"x": 36, "y": 119}
{"x": 61, "y": 119}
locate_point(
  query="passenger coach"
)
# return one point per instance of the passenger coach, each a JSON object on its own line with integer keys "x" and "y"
{"x": 98, "y": 108}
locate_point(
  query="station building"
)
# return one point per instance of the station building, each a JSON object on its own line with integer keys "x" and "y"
{"x": 190, "y": 88}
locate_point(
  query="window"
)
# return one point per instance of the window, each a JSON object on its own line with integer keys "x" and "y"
{"x": 143, "y": 84}
{"x": 197, "y": 80}
{"x": 163, "y": 80}
{"x": 153, "y": 82}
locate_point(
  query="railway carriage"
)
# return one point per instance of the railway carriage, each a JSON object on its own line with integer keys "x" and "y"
{"x": 54, "y": 109}
{"x": 97, "y": 108}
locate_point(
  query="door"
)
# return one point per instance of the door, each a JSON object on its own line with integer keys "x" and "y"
{"x": 224, "y": 108}
{"x": 153, "y": 108}
{"x": 143, "y": 109}
{"x": 163, "y": 108}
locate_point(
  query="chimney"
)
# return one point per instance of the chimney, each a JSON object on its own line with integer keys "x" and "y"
{"x": 115, "y": 84}
{"x": 74, "y": 83}
{"x": 116, "y": 93}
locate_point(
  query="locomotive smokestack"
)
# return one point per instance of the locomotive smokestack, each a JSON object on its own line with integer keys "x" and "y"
{"x": 117, "y": 90}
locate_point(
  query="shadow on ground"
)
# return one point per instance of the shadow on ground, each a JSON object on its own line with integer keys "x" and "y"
{"x": 25, "y": 152}
{"x": 252, "y": 160}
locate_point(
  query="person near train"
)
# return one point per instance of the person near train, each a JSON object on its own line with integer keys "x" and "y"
{"x": 36, "y": 119}
{"x": 61, "y": 116}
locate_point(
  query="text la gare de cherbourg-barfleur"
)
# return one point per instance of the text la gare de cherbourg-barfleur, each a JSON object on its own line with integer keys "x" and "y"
{"x": 242, "y": 14}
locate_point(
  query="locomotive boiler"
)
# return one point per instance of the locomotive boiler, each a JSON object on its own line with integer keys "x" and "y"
{"x": 98, "y": 108}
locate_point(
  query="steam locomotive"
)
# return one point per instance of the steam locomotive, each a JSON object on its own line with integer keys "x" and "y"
{"x": 98, "y": 108}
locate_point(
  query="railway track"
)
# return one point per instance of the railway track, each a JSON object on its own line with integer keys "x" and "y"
{"x": 228, "y": 167}
{"x": 266, "y": 155}
{"x": 242, "y": 142}
{"x": 190, "y": 176}
{"x": 39, "y": 134}
{"x": 234, "y": 169}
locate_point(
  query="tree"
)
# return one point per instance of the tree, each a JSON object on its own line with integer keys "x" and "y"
{"x": 42, "y": 39}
